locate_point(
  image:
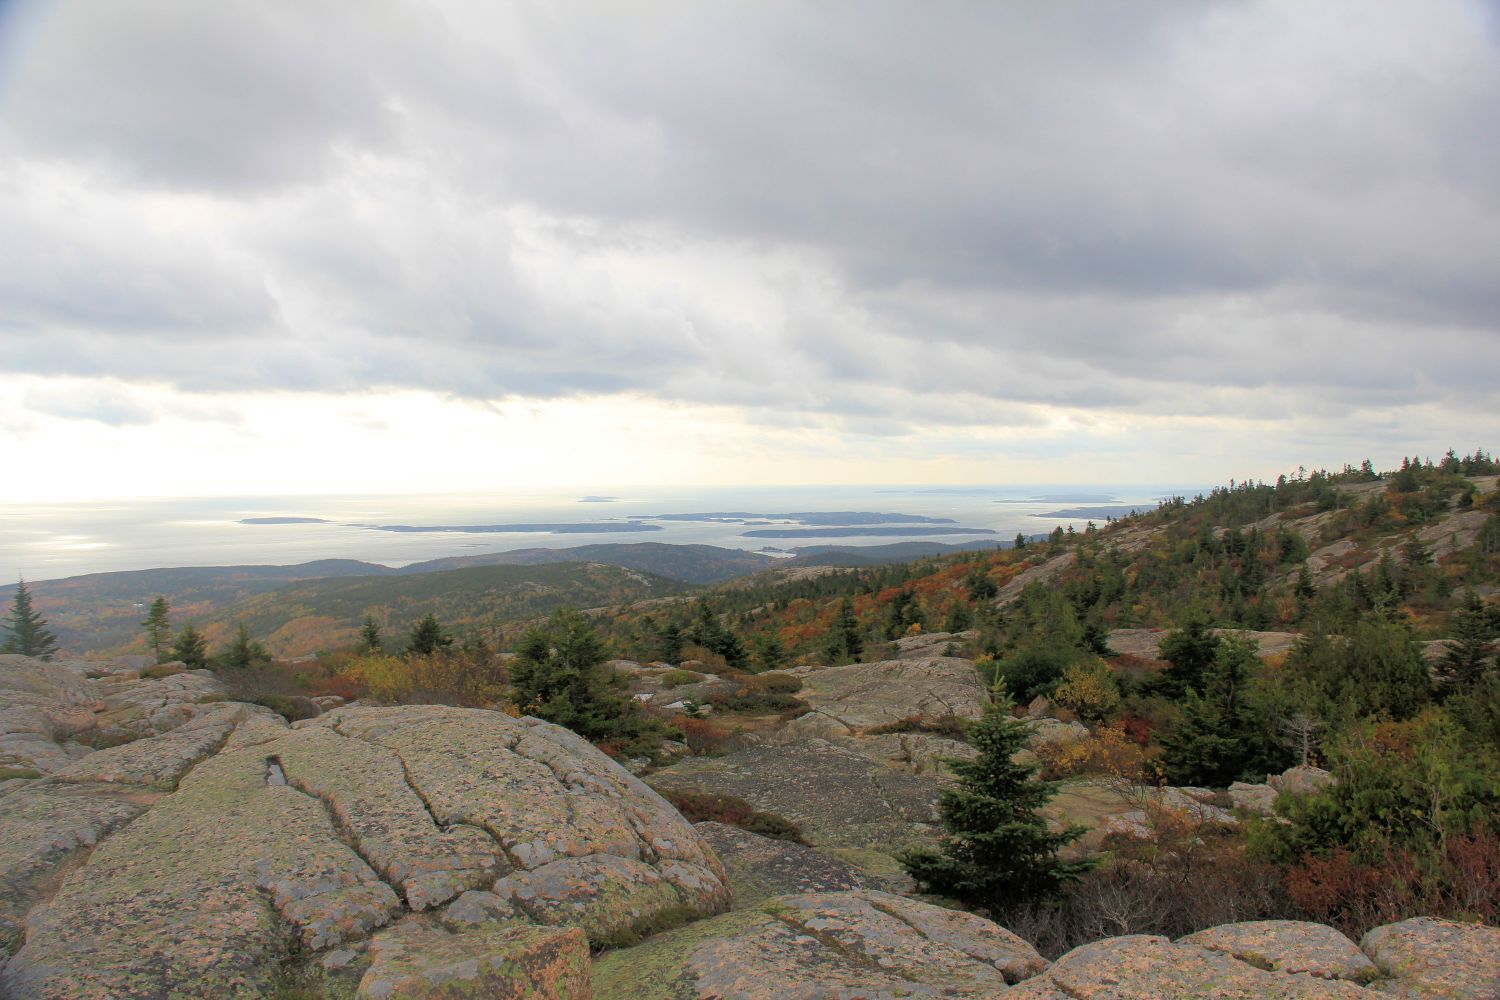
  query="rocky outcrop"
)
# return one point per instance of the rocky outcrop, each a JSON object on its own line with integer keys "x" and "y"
{"x": 1427, "y": 959}
{"x": 314, "y": 836}
{"x": 824, "y": 945}
{"x": 1261, "y": 798}
{"x": 1144, "y": 967}
{"x": 837, "y": 795}
{"x": 929, "y": 644}
{"x": 855, "y": 698}
{"x": 1289, "y": 946}
{"x": 1146, "y": 642}
{"x": 420, "y": 960}
{"x": 759, "y": 867}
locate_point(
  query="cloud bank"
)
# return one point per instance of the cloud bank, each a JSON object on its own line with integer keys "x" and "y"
{"x": 871, "y": 220}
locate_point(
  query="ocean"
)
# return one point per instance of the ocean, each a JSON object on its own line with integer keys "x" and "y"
{"x": 50, "y": 541}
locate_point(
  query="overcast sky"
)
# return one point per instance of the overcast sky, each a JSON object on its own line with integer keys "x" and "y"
{"x": 315, "y": 246}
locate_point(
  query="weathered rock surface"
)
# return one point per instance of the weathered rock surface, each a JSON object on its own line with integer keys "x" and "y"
{"x": 321, "y": 833}
{"x": 839, "y": 797}
{"x": 417, "y": 960}
{"x": 930, "y": 644}
{"x": 1149, "y": 968}
{"x": 759, "y": 867}
{"x": 1146, "y": 642}
{"x": 828, "y": 945}
{"x": 1289, "y": 946}
{"x": 1428, "y": 958}
{"x": 852, "y": 699}
{"x": 923, "y": 754}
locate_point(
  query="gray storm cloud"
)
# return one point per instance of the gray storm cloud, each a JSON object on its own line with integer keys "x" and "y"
{"x": 875, "y": 211}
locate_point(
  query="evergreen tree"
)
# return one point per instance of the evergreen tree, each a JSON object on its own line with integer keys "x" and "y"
{"x": 845, "y": 643}
{"x": 998, "y": 851}
{"x": 158, "y": 628}
{"x": 770, "y": 652}
{"x": 981, "y": 585}
{"x": 558, "y": 675}
{"x": 191, "y": 648}
{"x": 1220, "y": 736}
{"x": 1471, "y": 649}
{"x": 244, "y": 652}
{"x": 27, "y": 632}
{"x": 669, "y": 643}
{"x": 1189, "y": 653}
{"x": 369, "y": 636}
{"x": 427, "y": 637}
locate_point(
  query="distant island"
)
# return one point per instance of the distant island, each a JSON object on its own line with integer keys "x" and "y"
{"x": 829, "y": 518}
{"x": 1101, "y": 510}
{"x": 859, "y": 532}
{"x": 572, "y": 528}
{"x": 597, "y": 499}
{"x": 284, "y": 520}
{"x": 1067, "y": 498}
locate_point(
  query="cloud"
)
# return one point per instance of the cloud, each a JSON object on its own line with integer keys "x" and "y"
{"x": 863, "y": 219}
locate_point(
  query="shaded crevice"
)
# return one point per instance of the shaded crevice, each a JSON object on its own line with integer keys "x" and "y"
{"x": 340, "y": 830}
{"x": 833, "y": 944}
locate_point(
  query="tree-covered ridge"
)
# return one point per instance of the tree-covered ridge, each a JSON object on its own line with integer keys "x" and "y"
{"x": 1254, "y": 555}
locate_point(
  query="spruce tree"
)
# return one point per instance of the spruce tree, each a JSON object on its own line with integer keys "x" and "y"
{"x": 369, "y": 636}
{"x": 998, "y": 851}
{"x": 191, "y": 648}
{"x": 158, "y": 628}
{"x": 27, "y": 632}
{"x": 1472, "y": 647}
{"x": 558, "y": 675}
{"x": 244, "y": 652}
{"x": 427, "y": 637}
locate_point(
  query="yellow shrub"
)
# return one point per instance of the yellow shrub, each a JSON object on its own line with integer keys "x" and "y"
{"x": 1090, "y": 691}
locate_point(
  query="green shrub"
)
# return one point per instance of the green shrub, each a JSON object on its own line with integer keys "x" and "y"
{"x": 161, "y": 670}
{"x": 291, "y": 707}
{"x": 677, "y": 678}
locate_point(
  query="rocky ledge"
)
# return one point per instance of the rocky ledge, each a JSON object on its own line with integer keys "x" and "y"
{"x": 157, "y": 841}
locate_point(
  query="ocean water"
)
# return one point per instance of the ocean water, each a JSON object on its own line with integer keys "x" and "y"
{"x": 51, "y": 541}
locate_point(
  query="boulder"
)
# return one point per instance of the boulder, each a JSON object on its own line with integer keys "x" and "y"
{"x": 417, "y": 960}
{"x": 1301, "y": 780}
{"x": 1428, "y": 958}
{"x": 1142, "y": 966}
{"x": 1289, "y": 946}
{"x": 1252, "y": 798}
{"x": 857, "y": 697}
{"x": 824, "y": 945}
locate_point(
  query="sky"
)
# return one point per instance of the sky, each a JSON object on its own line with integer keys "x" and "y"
{"x": 424, "y": 245}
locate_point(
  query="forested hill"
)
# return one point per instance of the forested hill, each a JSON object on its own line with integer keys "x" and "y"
{"x": 325, "y": 614}
{"x": 1412, "y": 543}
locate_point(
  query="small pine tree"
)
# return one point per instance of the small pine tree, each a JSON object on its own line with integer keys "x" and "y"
{"x": 158, "y": 628}
{"x": 191, "y": 648}
{"x": 670, "y": 642}
{"x": 1472, "y": 647}
{"x": 427, "y": 637}
{"x": 770, "y": 652}
{"x": 558, "y": 675}
{"x": 845, "y": 643}
{"x": 1190, "y": 652}
{"x": 369, "y": 636}
{"x": 244, "y": 652}
{"x": 27, "y": 630}
{"x": 998, "y": 852}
